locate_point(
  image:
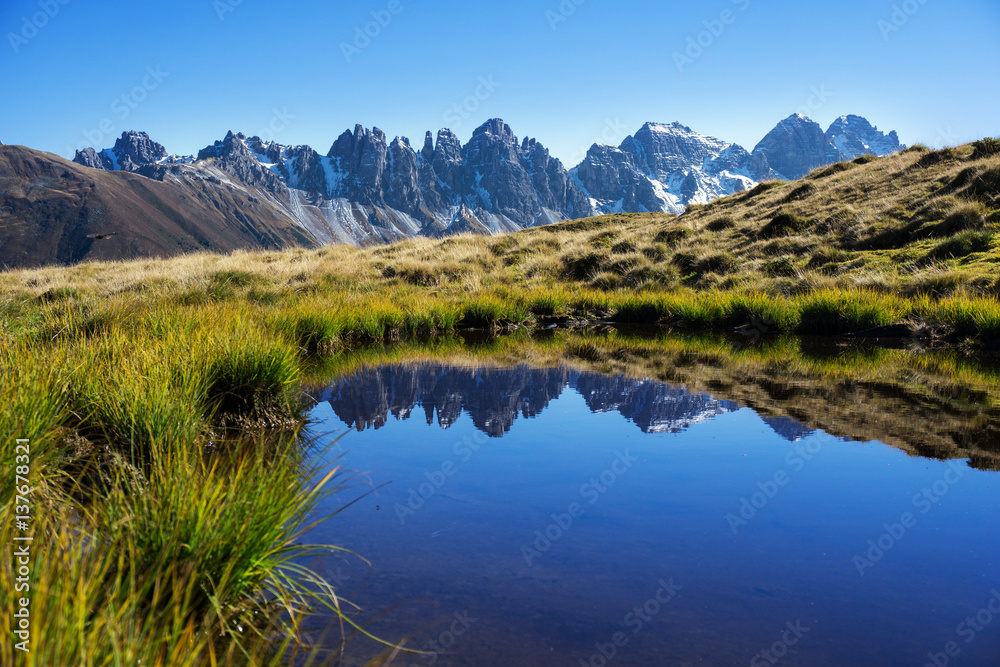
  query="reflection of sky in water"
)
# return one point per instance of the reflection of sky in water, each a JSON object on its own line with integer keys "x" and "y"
{"x": 666, "y": 511}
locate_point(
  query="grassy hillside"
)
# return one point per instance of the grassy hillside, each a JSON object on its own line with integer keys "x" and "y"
{"x": 50, "y": 209}
{"x": 908, "y": 238}
{"x": 171, "y": 387}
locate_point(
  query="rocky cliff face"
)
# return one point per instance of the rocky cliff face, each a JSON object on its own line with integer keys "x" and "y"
{"x": 798, "y": 145}
{"x": 668, "y": 167}
{"x": 854, "y": 136}
{"x": 795, "y": 147}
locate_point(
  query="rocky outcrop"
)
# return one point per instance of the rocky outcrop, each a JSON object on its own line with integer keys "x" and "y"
{"x": 854, "y": 136}
{"x": 796, "y": 146}
{"x": 665, "y": 168}
{"x": 88, "y": 157}
{"x": 131, "y": 152}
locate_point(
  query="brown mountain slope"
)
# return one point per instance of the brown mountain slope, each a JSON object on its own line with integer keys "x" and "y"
{"x": 53, "y": 211}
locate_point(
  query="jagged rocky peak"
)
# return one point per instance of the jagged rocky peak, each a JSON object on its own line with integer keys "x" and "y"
{"x": 240, "y": 156}
{"x": 854, "y": 136}
{"x": 664, "y": 167}
{"x": 666, "y": 148}
{"x": 132, "y": 151}
{"x": 493, "y": 140}
{"x": 427, "y": 152}
{"x": 796, "y": 146}
{"x": 138, "y": 149}
{"x": 88, "y": 157}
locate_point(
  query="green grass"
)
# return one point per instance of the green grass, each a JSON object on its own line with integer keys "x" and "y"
{"x": 784, "y": 224}
{"x": 155, "y": 548}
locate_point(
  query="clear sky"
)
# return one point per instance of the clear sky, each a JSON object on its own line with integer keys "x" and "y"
{"x": 570, "y": 72}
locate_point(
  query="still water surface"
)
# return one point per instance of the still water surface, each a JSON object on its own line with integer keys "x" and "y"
{"x": 555, "y": 517}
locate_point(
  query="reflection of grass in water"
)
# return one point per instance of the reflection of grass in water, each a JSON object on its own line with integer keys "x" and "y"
{"x": 932, "y": 403}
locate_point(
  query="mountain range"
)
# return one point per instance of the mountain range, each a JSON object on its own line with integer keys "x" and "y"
{"x": 246, "y": 192}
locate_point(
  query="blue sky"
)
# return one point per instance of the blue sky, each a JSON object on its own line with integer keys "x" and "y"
{"x": 570, "y": 73}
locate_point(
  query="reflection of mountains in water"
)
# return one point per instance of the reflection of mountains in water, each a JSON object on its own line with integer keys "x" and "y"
{"x": 493, "y": 398}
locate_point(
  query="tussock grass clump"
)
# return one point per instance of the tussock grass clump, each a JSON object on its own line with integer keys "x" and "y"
{"x": 975, "y": 317}
{"x": 624, "y": 248}
{"x": 64, "y": 293}
{"x": 583, "y": 267}
{"x": 962, "y": 245}
{"x": 826, "y": 256}
{"x": 491, "y": 312}
{"x": 801, "y": 192}
{"x": 966, "y": 217}
{"x": 673, "y": 236}
{"x": 658, "y": 252}
{"x": 865, "y": 159}
{"x": 313, "y": 331}
{"x": 251, "y": 375}
{"x": 824, "y": 172}
{"x": 719, "y": 262}
{"x": 937, "y": 282}
{"x": 985, "y": 148}
{"x": 604, "y": 239}
{"x": 761, "y": 188}
{"x": 782, "y": 266}
{"x": 933, "y": 158}
{"x": 721, "y": 223}
{"x": 785, "y": 224}
{"x": 986, "y": 185}
{"x": 846, "y": 312}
